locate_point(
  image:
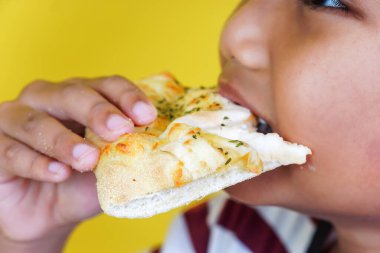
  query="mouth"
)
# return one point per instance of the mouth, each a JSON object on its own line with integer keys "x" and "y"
{"x": 230, "y": 93}
{"x": 263, "y": 126}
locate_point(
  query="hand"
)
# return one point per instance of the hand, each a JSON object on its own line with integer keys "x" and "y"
{"x": 45, "y": 184}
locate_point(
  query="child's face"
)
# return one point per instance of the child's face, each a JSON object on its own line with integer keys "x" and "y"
{"x": 313, "y": 73}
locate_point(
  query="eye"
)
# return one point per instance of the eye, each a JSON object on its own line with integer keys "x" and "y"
{"x": 330, "y": 4}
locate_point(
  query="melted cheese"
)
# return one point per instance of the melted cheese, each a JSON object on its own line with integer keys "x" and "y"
{"x": 237, "y": 123}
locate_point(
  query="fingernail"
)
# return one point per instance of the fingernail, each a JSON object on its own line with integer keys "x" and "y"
{"x": 145, "y": 113}
{"x": 85, "y": 155}
{"x": 118, "y": 124}
{"x": 56, "y": 168}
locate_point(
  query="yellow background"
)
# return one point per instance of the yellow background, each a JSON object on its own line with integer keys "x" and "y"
{"x": 58, "y": 39}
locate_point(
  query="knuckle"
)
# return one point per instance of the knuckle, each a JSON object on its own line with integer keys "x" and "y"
{"x": 132, "y": 89}
{"x": 11, "y": 155}
{"x": 115, "y": 79}
{"x": 74, "y": 80}
{"x": 6, "y": 106}
{"x": 70, "y": 89}
{"x": 59, "y": 142}
{"x": 31, "y": 89}
{"x": 33, "y": 120}
{"x": 36, "y": 165}
{"x": 130, "y": 95}
{"x": 12, "y": 150}
{"x": 117, "y": 82}
{"x": 99, "y": 108}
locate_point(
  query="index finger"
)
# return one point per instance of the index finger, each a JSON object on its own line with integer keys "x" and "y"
{"x": 127, "y": 97}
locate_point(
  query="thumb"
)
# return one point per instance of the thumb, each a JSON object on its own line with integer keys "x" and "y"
{"x": 77, "y": 198}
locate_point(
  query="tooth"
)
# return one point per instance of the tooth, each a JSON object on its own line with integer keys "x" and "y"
{"x": 263, "y": 127}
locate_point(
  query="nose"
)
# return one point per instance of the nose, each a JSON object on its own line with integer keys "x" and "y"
{"x": 246, "y": 35}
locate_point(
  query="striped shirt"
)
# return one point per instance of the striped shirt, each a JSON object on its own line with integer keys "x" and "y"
{"x": 223, "y": 226}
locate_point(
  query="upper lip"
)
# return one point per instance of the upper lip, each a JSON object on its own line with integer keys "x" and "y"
{"x": 232, "y": 80}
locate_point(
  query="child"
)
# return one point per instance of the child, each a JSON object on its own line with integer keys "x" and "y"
{"x": 308, "y": 67}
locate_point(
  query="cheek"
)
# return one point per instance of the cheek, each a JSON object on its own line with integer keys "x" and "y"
{"x": 373, "y": 152}
{"x": 326, "y": 101}
{"x": 331, "y": 108}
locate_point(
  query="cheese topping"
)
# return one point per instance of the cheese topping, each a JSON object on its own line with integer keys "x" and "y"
{"x": 207, "y": 110}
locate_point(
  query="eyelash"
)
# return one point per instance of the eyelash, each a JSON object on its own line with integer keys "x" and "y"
{"x": 341, "y": 8}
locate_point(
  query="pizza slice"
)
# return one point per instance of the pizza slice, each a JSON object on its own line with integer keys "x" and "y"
{"x": 200, "y": 143}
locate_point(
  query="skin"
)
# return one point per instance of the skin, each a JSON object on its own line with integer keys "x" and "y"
{"x": 311, "y": 73}
{"x": 40, "y": 202}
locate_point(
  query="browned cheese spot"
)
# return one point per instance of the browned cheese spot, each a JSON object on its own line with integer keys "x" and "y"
{"x": 122, "y": 147}
{"x": 155, "y": 145}
{"x": 106, "y": 149}
{"x": 177, "y": 177}
{"x": 174, "y": 128}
